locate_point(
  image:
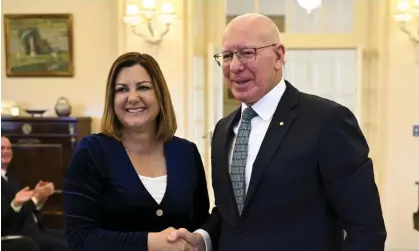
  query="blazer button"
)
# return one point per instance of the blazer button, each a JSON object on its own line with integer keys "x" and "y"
{"x": 159, "y": 212}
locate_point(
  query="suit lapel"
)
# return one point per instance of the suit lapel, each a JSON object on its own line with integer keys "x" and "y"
{"x": 9, "y": 188}
{"x": 221, "y": 148}
{"x": 281, "y": 122}
{"x": 4, "y": 188}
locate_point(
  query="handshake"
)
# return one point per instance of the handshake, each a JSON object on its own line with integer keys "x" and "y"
{"x": 171, "y": 239}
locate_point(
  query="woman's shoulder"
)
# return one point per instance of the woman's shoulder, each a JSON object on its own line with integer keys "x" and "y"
{"x": 97, "y": 141}
{"x": 97, "y": 148}
{"x": 178, "y": 146}
{"x": 181, "y": 143}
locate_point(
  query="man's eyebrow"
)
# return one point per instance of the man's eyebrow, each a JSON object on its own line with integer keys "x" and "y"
{"x": 248, "y": 47}
{"x": 241, "y": 47}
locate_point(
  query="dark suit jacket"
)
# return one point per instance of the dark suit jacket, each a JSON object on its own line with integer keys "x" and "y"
{"x": 312, "y": 178}
{"x": 108, "y": 208}
{"x": 13, "y": 223}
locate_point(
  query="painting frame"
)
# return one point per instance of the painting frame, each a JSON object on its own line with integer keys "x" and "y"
{"x": 228, "y": 96}
{"x": 47, "y": 58}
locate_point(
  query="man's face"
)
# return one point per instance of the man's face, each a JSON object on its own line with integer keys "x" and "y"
{"x": 6, "y": 152}
{"x": 249, "y": 82}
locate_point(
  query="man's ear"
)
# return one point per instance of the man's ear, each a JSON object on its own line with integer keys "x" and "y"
{"x": 280, "y": 56}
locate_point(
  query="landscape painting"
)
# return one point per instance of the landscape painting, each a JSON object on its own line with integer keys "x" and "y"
{"x": 39, "y": 45}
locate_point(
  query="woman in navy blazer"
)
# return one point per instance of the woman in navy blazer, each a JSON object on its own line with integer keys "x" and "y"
{"x": 128, "y": 187}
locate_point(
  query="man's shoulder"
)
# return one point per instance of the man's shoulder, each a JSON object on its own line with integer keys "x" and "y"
{"x": 310, "y": 100}
{"x": 320, "y": 105}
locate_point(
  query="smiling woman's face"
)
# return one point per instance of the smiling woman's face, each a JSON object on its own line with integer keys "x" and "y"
{"x": 136, "y": 104}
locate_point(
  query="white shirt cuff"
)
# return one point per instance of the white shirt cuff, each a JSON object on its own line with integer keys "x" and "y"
{"x": 36, "y": 202}
{"x": 11, "y": 237}
{"x": 207, "y": 239}
{"x": 16, "y": 209}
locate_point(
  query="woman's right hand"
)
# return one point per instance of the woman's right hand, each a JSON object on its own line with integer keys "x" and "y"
{"x": 22, "y": 196}
{"x": 158, "y": 242}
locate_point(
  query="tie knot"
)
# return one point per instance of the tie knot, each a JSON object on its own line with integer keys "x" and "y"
{"x": 248, "y": 114}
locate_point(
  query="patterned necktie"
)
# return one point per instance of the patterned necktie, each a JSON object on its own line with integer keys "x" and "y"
{"x": 238, "y": 163}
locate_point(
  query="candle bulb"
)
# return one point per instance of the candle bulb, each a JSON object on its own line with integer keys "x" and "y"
{"x": 167, "y": 7}
{"x": 403, "y": 6}
{"x": 132, "y": 9}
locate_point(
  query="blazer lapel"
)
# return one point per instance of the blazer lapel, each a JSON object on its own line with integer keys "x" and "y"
{"x": 221, "y": 149}
{"x": 281, "y": 122}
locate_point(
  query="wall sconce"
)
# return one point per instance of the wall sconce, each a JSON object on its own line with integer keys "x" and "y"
{"x": 408, "y": 12}
{"x": 309, "y": 5}
{"x": 153, "y": 19}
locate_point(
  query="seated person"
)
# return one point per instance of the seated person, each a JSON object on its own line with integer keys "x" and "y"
{"x": 19, "y": 244}
{"x": 128, "y": 187}
{"x": 19, "y": 207}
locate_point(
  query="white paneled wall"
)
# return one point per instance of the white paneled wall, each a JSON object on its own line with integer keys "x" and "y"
{"x": 338, "y": 16}
{"x": 238, "y": 7}
{"x": 272, "y": 8}
{"x": 299, "y": 21}
{"x": 215, "y": 90}
{"x": 332, "y": 74}
{"x": 334, "y": 16}
{"x": 197, "y": 108}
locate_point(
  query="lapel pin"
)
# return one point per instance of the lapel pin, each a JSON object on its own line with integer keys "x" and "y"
{"x": 281, "y": 123}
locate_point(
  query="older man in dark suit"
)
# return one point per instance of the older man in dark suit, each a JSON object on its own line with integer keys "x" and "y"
{"x": 290, "y": 170}
{"x": 19, "y": 207}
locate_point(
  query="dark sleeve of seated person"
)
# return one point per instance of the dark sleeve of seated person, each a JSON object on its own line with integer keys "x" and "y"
{"x": 20, "y": 220}
{"x": 89, "y": 225}
{"x": 13, "y": 219}
{"x": 20, "y": 244}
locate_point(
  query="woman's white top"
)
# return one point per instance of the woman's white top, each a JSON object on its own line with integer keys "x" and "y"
{"x": 156, "y": 186}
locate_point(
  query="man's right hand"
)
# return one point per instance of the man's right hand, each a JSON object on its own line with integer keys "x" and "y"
{"x": 194, "y": 239}
{"x": 22, "y": 196}
{"x": 159, "y": 242}
{"x": 43, "y": 190}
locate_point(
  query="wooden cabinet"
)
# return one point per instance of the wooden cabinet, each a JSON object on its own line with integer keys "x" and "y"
{"x": 42, "y": 148}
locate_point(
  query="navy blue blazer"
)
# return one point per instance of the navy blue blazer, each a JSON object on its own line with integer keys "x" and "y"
{"x": 311, "y": 179}
{"x": 107, "y": 207}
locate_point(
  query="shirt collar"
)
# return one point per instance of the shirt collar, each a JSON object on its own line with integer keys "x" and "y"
{"x": 266, "y": 106}
{"x": 3, "y": 174}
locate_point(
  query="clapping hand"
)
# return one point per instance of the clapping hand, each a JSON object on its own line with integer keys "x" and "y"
{"x": 22, "y": 196}
{"x": 43, "y": 190}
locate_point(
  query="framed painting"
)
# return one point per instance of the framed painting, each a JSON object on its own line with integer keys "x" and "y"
{"x": 39, "y": 45}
